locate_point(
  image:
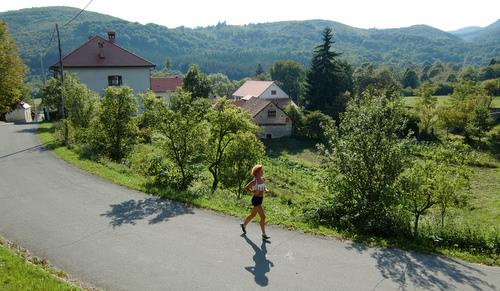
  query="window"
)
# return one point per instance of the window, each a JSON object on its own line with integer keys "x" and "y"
{"x": 271, "y": 113}
{"x": 273, "y": 92}
{"x": 114, "y": 80}
{"x": 269, "y": 136}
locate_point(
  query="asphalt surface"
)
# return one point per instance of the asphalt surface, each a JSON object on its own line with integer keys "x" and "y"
{"x": 120, "y": 239}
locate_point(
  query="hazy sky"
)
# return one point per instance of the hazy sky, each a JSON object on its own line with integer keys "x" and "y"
{"x": 442, "y": 14}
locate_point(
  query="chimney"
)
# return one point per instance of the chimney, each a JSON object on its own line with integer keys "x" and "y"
{"x": 111, "y": 36}
{"x": 101, "y": 49}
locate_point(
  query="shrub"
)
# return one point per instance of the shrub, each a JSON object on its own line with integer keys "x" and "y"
{"x": 114, "y": 130}
{"x": 365, "y": 156}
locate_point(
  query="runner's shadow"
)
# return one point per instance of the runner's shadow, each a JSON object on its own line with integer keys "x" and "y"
{"x": 262, "y": 264}
{"x": 159, "y": 210}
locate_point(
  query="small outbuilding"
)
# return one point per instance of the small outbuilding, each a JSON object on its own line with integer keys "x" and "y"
{"x": 22, "y": 113}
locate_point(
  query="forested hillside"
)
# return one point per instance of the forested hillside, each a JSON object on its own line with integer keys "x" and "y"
{"x": 236, "y": 50}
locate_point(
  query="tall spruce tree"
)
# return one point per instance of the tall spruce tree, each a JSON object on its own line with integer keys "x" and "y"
{"x": 327, "y": 79}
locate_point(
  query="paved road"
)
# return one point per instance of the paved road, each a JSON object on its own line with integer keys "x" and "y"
{"x": 119, "y": 239}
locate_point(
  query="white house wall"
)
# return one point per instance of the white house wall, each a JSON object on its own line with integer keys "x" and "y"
{"x": 19, "y": 115}
{"x": 279, "y": 93}
{"x": 97, "y": 78}
{"x": 277, "y": 127}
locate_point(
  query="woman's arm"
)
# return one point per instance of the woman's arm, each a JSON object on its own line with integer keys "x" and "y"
{"x": 248, "y": 187}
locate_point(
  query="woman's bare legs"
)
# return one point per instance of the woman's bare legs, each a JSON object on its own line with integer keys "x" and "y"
{"x": 249, "y": 218}
{"x": 262, "y": 221}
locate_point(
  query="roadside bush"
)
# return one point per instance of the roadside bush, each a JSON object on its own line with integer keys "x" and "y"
{"x": 146, "y": 160}
{"x": 114, "y": 130}
{"x": 468, "y": 237}
{"x": 65, "y": 133}
{"x": 365, "y": 155}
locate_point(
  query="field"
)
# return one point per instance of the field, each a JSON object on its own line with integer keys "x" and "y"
{"x": 412, "y": 101}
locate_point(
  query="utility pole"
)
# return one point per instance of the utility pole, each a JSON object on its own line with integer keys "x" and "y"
{"x": 61, "y": 71}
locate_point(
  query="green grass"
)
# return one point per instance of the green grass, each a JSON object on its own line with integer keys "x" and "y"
{"x": 293, "y": 173}
{"x": 484, "y": 208}
{"x": 17, "y": 273}
{"x": 411, "y": 101}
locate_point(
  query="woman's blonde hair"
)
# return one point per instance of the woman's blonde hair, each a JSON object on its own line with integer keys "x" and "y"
{"x": 255, "y": 169}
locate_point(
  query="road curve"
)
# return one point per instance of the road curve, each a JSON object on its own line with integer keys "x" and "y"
{"x": 120, "y": 239}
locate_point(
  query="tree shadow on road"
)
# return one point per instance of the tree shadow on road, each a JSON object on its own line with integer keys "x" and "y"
{"x": 157, "y": 210}
{"x": 262, "y": 264}
{"x": 412, "y": 270}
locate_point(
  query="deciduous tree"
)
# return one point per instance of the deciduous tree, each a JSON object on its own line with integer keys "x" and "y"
{"x": 226, "y": 122}
{"x": 12, "y": 71}
{"x": 290, "y": 76}
{"x": 196, "y": 82}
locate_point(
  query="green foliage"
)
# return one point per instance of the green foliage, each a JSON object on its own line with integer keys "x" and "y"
{"x": 314, "y": 124}
{"x": 327, "y": 79}
{"x": 221, "y": 85}
{"x": 226, "y": 122}
{"x": 196, "y": 82}
{"x": 290, "y": 76}
{"x": 369, "y": 78}
{"x": 427, "y": 110}
{"x": 80, "y": 103}
{"x": 469, "y": 74}
{"x": 240, "y": 156}
{"x": 410, "y": 79}
{"x": 12, "y": 71}
{"x": 492, "y": 87}
{"x": 151, "y": 108}
{"x": 365, "y": 157}
{"x": 467, "y": 110}
{"x": 297, "y": 117}
{"x": 182, "y": 138}
{"x": 479, "y": 121}
{"x": 432, "y": 182}
{"x": 114, "y": 130}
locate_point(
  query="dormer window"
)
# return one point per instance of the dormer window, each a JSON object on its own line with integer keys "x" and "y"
{"x": 115, "y": 80}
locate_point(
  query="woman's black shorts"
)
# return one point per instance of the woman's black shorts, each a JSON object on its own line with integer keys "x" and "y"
{"x": 257, "y": 200}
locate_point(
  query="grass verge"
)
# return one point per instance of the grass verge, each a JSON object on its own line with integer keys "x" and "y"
{"x": 21, "y": 271}
{"x": 284, "y": 169}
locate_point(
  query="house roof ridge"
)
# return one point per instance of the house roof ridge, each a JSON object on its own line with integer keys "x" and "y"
{"x": 108, "y": 42}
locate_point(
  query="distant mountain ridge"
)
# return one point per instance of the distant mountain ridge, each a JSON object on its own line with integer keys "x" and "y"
{"x": 237, "y": 49}
{"x": 479, "y": 34}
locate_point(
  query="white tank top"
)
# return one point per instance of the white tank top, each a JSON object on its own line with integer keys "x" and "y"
{"x": 260, "y": 187}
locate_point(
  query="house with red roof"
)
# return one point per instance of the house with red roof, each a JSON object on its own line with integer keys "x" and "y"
{"x": 100, "y": 63}
{"x": 266, "y": 101}
{"x": 163, "y": 87}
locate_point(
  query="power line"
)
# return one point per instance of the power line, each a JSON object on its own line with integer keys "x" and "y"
{"x": 78, "y": 14}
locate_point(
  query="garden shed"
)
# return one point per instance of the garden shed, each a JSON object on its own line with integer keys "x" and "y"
{"x": 22, "y": 113}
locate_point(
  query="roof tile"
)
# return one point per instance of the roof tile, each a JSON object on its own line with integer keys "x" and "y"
{"x": 91, "y": 54}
